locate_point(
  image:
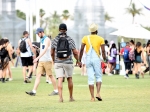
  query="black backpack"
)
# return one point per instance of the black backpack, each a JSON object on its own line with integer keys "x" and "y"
{"x": 63, "y": 50}
{"x": 22, "y": 46}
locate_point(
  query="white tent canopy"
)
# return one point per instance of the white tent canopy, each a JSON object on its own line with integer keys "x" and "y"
{"x": 133, "y": 31}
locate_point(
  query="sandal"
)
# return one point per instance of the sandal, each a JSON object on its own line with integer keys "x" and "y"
{"x": 99, "y": 99}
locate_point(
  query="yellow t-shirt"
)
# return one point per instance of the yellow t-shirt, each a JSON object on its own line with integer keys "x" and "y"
{"x": 96, "y": 42}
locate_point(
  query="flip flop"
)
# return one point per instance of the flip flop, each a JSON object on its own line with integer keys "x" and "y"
{"x": 99, "y": 99}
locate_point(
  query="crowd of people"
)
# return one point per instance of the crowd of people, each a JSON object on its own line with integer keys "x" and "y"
{"x": 96, "y": 57}
{"x": 134, "y": 57}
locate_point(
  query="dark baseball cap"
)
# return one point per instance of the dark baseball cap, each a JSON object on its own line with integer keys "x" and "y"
{"x": 62, "y": 26}
{"x": 38, "y": 30}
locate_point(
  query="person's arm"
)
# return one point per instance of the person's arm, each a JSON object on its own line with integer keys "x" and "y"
{"x": 103, "y": 51}
{"x": 10, "y": 51}
{"x": 30, "y": 44}
{"x": 147, "y": 50}
{"x": 34, "y": 51}
{"x": 53, "y": 54}
{"x": 47, "y": 44}
{"x": 53, "y": 49}
{"x": 75, "y": 53}
{"x": 143, "y": 57}
{"x": 81, "y": 51}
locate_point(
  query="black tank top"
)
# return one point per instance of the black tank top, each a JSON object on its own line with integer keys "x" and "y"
{"x": 4, "y": 53}
{"x": 137, "y": 53}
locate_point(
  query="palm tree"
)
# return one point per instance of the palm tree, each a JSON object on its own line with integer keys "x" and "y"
{"x": 42, "y": 13}
{"x": 52, "y": 23}
{"x": 21, "y": 14}
{"x": 65, "y": 15}
{"x": 46, "y": 21}
{"x": 34, "y": 19}
{"x": 134, "y": 11}
{"x": 107, "y": 17}
{"x": 146, "y": 27}
{"x": 130, "y": 2}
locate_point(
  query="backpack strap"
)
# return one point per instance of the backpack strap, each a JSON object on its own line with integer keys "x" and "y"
{"x": 89, "y": 40}
{"x": 23, "y": 39}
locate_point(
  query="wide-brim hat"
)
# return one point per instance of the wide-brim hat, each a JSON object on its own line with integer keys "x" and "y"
{"x": 93, "y": 27}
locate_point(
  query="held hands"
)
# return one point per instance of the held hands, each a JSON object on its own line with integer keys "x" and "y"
{"x": 79, "y": 64}
{"x": 34, "y": 57}
{"x": 35, "y": 60}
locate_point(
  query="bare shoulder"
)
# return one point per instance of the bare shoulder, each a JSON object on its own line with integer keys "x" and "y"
{"x": 48, "y": 41}
{"x": 28, "y": 39}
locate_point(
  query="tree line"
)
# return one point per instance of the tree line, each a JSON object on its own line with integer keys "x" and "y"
{"x": 52, "y": 21}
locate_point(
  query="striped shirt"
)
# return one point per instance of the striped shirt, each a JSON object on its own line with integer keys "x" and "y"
{"x": 71, "y": 46}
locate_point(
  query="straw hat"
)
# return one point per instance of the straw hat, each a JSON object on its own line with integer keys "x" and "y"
{"x": 93, "y": 27}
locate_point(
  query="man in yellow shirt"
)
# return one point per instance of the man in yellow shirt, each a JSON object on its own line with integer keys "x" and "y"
{"x": 93, "y": 44}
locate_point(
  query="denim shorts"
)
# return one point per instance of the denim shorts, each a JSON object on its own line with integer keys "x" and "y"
{"x": 94, "y": 70}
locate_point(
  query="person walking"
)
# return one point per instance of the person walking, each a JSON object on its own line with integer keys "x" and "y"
{"x": 10, "y": 51}
{"x": 4, "y": 58}
{"x": 18, "y": 59}
{"x": 139, "y": 56}
{"x": 26, "y": 50}
{"x": 112, "y": 58}
{"x": 147, "y": 58}
{"x": 127, "y": 62}
{"x": 93, "y": 44}
{"x": 63, "y": 46}
{"x": 45, "y": 63}
{"x": 132, "y": 55}
{"x": 83, "y": 60}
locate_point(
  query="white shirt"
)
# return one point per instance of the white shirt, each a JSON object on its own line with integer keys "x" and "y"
{"x": 46, "y": 56}
{"x": 28, "y": 53}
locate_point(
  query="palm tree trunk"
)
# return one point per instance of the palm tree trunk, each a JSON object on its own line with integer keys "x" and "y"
{"x": 133, "y": 20}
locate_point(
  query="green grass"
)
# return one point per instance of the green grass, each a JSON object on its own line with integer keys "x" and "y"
{"x": 119, "y": 95}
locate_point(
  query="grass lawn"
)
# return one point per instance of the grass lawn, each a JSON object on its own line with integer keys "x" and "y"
{"x": 118, "y": 94}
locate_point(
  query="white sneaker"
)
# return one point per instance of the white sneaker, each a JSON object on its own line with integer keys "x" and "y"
{"x": 109, "y": 74}
{"x": 50, "y": 82}
{"x": 47, "y": 81}
{"x": 10, "y": 79}
{"x": 126, "y": 77}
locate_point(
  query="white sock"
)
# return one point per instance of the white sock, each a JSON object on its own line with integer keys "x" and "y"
{"x": 56, "y": 91}
{"x": 33, "y": 91}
